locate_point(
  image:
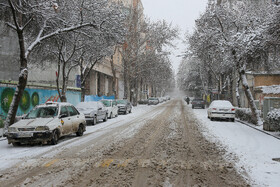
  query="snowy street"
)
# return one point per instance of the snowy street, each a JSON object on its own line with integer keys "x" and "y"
{"x": 169, "y": 144}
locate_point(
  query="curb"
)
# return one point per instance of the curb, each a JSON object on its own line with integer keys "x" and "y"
{"x": 249, "y": 125}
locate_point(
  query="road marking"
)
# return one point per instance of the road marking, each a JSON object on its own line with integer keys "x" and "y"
{"x": 106, "y": 163}
{"x": 51, "y": 163}
{"x": 124, "y": 164}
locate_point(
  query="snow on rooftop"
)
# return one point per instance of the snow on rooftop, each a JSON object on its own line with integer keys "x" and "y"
{"x": 274, "y": 89}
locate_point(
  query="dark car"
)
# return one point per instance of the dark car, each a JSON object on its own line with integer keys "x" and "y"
{"x": 124, "y": 106}
{"x": 153, "y": 101}
{"x": 198, "y": 103}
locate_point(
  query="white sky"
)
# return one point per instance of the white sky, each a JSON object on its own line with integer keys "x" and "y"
{"x": 181, "y": 13}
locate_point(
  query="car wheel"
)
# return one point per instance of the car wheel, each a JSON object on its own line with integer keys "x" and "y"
{"x": 212, "y": 119}
{"x": 54, "y": 139}
{"x": 192, "y": 106}
{"x": 232, "y": 119}
{"x": 106, "y": 117}
{"x": 203, "y": 107}
{"x": 111, "y": 116}
{"x": 80, "y": 131}
{"x": 116, "y": 115}
{"x": 16, "y": 144}
{"x": 125, "y": 112}
{"x": 94, "y": 120}
{"x": 130, "y": 111}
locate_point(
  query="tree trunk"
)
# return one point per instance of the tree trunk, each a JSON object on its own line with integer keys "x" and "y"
{"x": 237, "y": 93}
{"x": 255, "y": 115}
{"x": 22, "y": 82}
{"x": 241, "y": 70}
{"x": 114, "y": 75}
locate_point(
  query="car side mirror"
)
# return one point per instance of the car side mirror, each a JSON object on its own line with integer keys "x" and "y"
{"x": 63, "y": 116}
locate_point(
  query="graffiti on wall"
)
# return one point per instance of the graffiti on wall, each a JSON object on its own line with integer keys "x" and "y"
{"x": 32, "y": 97}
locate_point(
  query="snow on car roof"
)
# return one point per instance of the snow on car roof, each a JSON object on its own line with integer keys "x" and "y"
{"x": 221, "y": 103}
{"x": 90, "y": 104}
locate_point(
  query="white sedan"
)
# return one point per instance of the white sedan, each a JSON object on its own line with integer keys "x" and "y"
{"x": 46, "y": 123}
{"x": 221, "y": 109}
{"x": 112, "y": 107}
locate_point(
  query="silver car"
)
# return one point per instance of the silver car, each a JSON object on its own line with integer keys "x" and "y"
{"x": 46, "y": 123}
{"x": 94, "y": 111}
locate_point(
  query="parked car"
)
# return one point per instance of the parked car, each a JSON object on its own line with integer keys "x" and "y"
{"x": 221, "y": 109}
{"x": 94, "y": 111}
{"x": 143, "y": 101}
{"x": 46, "y": 123}
{"x": 153, "y": 101}
{"x": 198, "y": 103}
{"x": 124, "y": 106}
{"x": 112, "y": 107}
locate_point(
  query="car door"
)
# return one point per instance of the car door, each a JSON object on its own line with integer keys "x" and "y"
{"x": 65, "y": 120}
{"x": 115, "y": 108}
{"x": 75, "y": 118}
{"x": 102, "y": 110}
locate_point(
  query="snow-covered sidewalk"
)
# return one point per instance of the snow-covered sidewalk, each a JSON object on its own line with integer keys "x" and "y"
{"x": 255, "y": 150}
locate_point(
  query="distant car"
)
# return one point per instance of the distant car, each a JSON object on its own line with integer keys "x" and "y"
{"x": 198, "y": 103}
{"x": 94, "y": 111}
{"x": 112, "y": 107}
{"x": 143, "y": 101}
{"x": 221, "y": 109}
{"x": 153, "y": 101}
{"x": 124, "y": 106}
{"x": 46, "y": 123}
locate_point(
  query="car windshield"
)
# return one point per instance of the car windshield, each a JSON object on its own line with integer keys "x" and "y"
{"x": 87, "y": 105}
{"x": 121, "y": 101}
{"x": 152, "y": 98}
{"x": 43, "y": 112}
{"x": 106, "y": 103}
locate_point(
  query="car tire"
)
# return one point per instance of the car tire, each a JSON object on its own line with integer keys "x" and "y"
{"x": 130, "y": 111}
{"x": 192, "y": 106}
{"x": 212, "y": 119}
{"x": 116, "y": 115}
{"x": 16, "y": 144}
{"x": 232, "y": 119}
{"x": 54, "y": 139}
{"x": 80, "y": 131}
{"x": 106, "y": 118}
{"x": 111, "y": 116}
{"x": 125, "y": 112}
{"x": 94, "y": 122}
{"x": 203, "y": 107}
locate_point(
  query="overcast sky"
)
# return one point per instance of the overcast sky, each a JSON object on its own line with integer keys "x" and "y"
{"x": 182, "y": 13}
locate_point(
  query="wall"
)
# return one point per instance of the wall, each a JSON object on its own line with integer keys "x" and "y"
{"x": 32, "y": 97}
{"x": 267, "y": 80}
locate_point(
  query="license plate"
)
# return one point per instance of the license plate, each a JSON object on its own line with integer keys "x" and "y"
{"x": 25, "y": 134}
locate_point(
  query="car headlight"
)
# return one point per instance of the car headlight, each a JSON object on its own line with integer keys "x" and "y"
{"x": 12, "y": 129}
{"x": 42, "y": 128}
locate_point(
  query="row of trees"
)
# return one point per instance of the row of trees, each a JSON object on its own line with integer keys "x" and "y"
{"x": 78, "y": 34}
{"x": 230, "y": 39}
{"x": 145, "y": 56}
